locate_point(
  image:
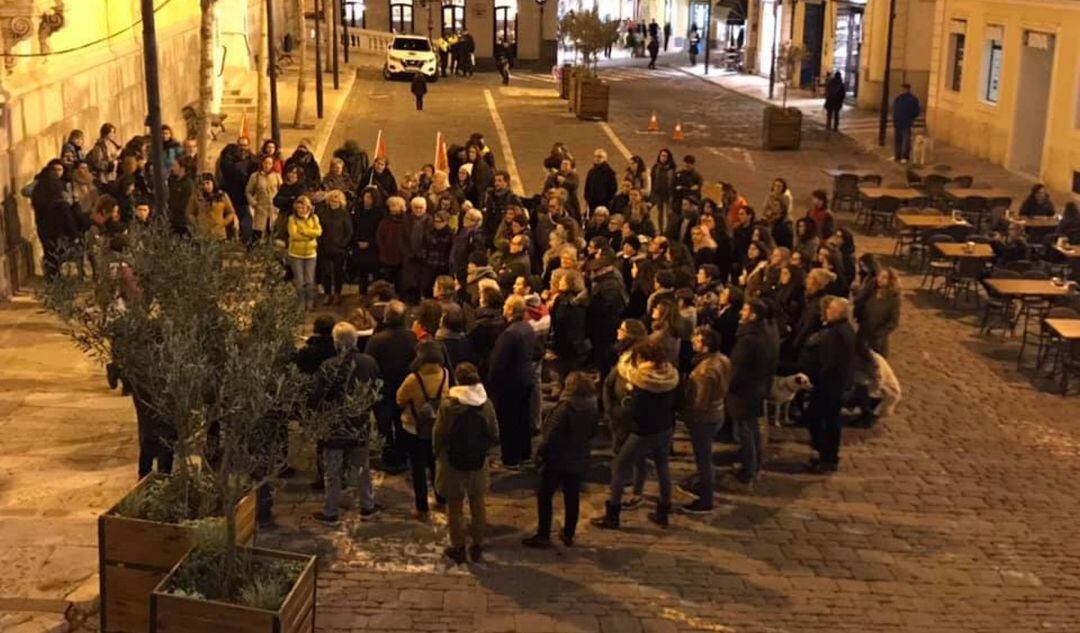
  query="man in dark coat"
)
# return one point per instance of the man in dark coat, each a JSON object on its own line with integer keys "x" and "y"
{"x": 835, "y": 92}
{"x": 753, "y": 365}
{"x": 318, "y": 348}
{"x": 607, "y": 302}
{"x": 303, "y": 159}
{"x": 600, "y": 183}
{"x": 393, "y": 349}
{"x": 906, "y": 110}
{"x": 511, "y": 377}
{"x": 687, "y": 182}
{"x": 497, "y": 199}
{"x": 233, "y": 169}
{"x": 181, "y": 194}
{"x": 829, "y": 361}
{"x": 515, "y": 263}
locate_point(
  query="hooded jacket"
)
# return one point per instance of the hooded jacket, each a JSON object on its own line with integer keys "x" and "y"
{"x": 453, "y": 483}
{"x": 566, "y": 432}
{"x": 653, "y": 395}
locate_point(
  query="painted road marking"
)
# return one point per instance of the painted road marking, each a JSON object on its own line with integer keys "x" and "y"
{"x": 504, "y": 141}
{"x": 615, "y": 140}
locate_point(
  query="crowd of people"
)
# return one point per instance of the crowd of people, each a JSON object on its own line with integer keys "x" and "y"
{"x": 624, "y": 298}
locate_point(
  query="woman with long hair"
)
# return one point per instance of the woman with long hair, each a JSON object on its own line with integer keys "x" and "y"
{"x": 213, "y": 211}
{"x": 663, "y": 185}
{"x": 878, "y": 312}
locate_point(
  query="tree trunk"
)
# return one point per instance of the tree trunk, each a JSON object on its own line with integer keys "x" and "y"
{"x": 206, "y": 79}
{"x": 262, "y": 86}
{"x": 301, "y": 79}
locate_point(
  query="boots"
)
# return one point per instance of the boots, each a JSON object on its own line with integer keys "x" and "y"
{"x": 610, "y": 521}
{"x": 660, "y": 517}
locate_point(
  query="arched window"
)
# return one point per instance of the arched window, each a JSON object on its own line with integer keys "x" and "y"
{"x": 506, "y": 12}
{"x": 354, "y": 14}
{"x": 453, "y": 16}
{"x": 401, "y": 17}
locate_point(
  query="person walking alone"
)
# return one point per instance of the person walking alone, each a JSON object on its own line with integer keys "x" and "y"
{"x": 835, "y": 91}
{"x": 906, "y": 110}
{"x": 419, "y": 89}
{"x": 654, "y": 50}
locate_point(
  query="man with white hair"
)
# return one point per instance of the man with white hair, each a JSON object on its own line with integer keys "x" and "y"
{"x": 392, "y": 239}
{"x": 468, "y": 240}
{"x": 344, "y": 431}
{"x": 829, "y": 361}
{"x": 600, "y": 183}
{"x": 417, "y": 227}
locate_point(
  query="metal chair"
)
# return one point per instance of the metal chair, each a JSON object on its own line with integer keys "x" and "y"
{"x": 973, "y": 209}
{"x": 846, "y": 192}
{"x": 882, "y": 210}
{"x": 913, "y": 179}
{"x": 870, "y": 180}
{"x": 1020, "y": 266}
{"x": 965, "y": 277}
{"x": 1054, "y": 261}
{"x": 1045, "y": 348}
{"x": 997, "y": 305}
{"x": 934, "y": 266}
{"x": 1031, "y": 306}
{"x": 960, "y": 232}
{"x": 934, "y": 187}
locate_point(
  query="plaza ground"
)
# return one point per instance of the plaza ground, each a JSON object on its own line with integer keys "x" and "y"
{"x": 956, "y": 514}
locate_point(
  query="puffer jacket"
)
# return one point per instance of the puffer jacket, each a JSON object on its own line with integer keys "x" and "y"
{"x": 653, "y": 395}
{"x": 304, "y": 236}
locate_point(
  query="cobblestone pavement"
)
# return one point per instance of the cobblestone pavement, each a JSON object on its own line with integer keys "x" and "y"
{"x": 956, "y": 514}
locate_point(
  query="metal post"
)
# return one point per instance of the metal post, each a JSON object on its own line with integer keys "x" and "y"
{"x": 883, "y": 122}
{"x": 540, "y": 49}
{"x": 153, "y": 107}
{"x": 708, "y": 36}
{"x": 271, "y": 66}
{"x": 345, "y": 43}
{"x": 318, "y": 61}
{"x": 334, "y": 38}
{"x": 772, "y": 64}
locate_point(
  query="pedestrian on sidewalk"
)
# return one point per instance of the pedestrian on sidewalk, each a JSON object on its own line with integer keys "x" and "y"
{"x": 835, "y": 91}
{"x": 654, "y": 50}
{"x": 667, "y": 35}
{"x": 906, "y": 110}
{"x": 419, "y": 89}
{"x": 564, "y": 455}
{"x": 465, "y": 432}
{"x": 694, "y": 41}
{"x": 502, "y": 60}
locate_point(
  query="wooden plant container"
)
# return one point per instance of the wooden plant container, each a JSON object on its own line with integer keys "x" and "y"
{"x": 564, "y": 81}
{"x": 781, "y": 128}
{"x": 576, "y": 75}
{"x": 592, "y": 101}
{"x": 134, "y": 555}
{"x": 180, "y": 614}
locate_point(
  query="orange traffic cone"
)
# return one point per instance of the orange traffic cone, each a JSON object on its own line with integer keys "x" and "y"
{"x": 654, "y": 125}
{"x": 678, "y": 135}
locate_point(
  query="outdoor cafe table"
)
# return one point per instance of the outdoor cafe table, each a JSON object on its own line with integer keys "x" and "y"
{"x": 956, "y": 250}
{"x": 836, "y": 173}
{"x": 1028, "y": 287}
{"x": 958, "y": 193}
{"x": 925, "y": 221}
{"x": 1067, "y": 332}
{"x": 903, "y": 193}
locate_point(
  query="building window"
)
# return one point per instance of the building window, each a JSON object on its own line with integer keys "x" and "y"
{"x": 506, "y": 22}
{"x": 955, "y": 70}
{"x": 401, "y": 18}
{"x": 992, "y": 65}
{"x": 453, "y": 16}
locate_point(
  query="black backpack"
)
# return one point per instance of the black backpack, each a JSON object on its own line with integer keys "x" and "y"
{"x": 425, "y": 416}
{"x": 469, "y": 440}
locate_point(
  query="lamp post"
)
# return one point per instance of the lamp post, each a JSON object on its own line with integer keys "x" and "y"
{"x": 540, "y": 48}
{"x": 708, "y": 37}
{"x": 153, "y": 107}
{"x": 334, "y": 15}
{"x": 883, "y": 122}
{"x": 772, "y": 64}
{"x": 345, "y": 43}
{"x": 318, "y": 61}
{"x": 271, "y": 66}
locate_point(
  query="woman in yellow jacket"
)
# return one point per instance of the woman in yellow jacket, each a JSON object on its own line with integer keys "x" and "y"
{"x": 304, "y": 232}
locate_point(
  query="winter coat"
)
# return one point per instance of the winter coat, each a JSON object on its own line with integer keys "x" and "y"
{"x": 384, "y": 182}
{"x": 260, "y": 192}
{"x": 570, "y": 182}
{"x": 568, "y": 332}
{"x": 600, "y": 186}
{"x": 829, "y": 361}
{"x": 877, "y": 316}
{"x": 436, "y": 248}
{"x": 835, "y": 92}
{"x": 705, "y": 390}
{"x": 565, "y": 435}
{"x": 338, "y": 376}
{"x": 487, "y": 326}
{"x": 393, "y": 349}
{"x": 181, "y": 201}
{"x": 392, "y": 239}
{"x": 287, "y": 194}
{"x": 434, "y": 380}
{"x": 511, "y": 372}
{"x": 753, "y": 365}
{"x": 365, "y": 224}
{"x": 316, "y": 350}
{"x": 304, "y": 236}
{"x": 607, "y": 302}
{"x": 452, "y": 483}
{"x": 653, "y": 395}
{"x": 52, "y": 213}
{"x": 465, "y": 242}
{"x": 419, "y": 85}
{"x": 309, "y": 167}
{"x": 906, "y": 109}
{"x": 511, "y": 267}
{"x": 663, "y": 183}
{"x": 213, "y": 214}
{"x": 472, "y": 282}
{"x": 416, "y": 228}
{"x": 233, "y": 168}
{"x": 337, "y": 230}
{"x": 459, "y": 348}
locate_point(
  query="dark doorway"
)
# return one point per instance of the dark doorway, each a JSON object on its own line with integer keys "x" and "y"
{"x": 813, "y": 36}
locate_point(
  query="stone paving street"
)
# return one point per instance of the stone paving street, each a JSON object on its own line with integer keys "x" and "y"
{"x": 956, "y": 514}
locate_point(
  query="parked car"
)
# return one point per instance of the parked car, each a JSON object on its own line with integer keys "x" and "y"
{"x": 409, "y": 54}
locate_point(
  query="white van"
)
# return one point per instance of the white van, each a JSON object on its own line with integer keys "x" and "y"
{"x": 409, "y": 54}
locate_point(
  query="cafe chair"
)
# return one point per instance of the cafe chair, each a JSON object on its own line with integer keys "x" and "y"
{"x": 965, "y": 277}
{"x": 1056, "y": 263}
{"x": 870, "y": 180}
{"x": 1045, "y": 345}
{"x": 934, "y": 188}
{"x": 882, "y": 210}
{"x": 1036, "y": 307}
{"x": 913, "y": 178}
{"x": 846, "y": 193}
{"x": 934, "y": 265}
{"x": 973, "y": 209}
{"x": 998, "y": 307}
{"x": 1020, "y": 266}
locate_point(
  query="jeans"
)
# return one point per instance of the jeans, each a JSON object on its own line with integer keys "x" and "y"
{"x": 303, "y": 270}
{"x": 353, "y": 463}
{"x": 333, "y": 272}
{"x": 638, "y": 447}
{"x": 902, "y": 139}
{"x": 832, "y": 119}
{"x": 823, "y": 419}
{"x": 422, "y": 463}
{"x": 701, "y": 439}
{"x": 751, "y": 452}
{"x": 455, "y": 520}
{"x": 550, "y": 481}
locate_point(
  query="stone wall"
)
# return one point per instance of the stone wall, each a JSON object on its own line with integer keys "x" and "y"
{"x": 104, "y": 85}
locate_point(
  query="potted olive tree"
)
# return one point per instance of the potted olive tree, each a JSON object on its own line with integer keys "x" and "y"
{"x": 782, "y": 126}
{"x": 590, "y": 36}
{"x": 202, "y": 332}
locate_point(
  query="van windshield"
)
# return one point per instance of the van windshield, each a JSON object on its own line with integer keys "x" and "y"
{"x": 409, "y": 44}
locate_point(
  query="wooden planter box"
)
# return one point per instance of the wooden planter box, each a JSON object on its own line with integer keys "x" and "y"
{"x": 781, "y": 128}
{"x": 179, "y": 614}
{"x": 134, "y": 555}
{"x": 564, "y": 81}
{"x": 576, "y": 75}
{"x": 592, "y": 99}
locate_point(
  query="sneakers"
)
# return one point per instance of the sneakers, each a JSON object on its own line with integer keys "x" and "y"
{"x": 455, "y": 554}
{"x": 476, "y": 553}
{"x": 372, "y": 512}
{"x": 632, "y": 503}
{"x": 326, "y": 519}
{"x": 697, "y": 508}
{"x": 537, "y": 542}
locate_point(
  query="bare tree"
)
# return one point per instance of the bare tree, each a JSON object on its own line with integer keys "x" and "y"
{"x": 207, "y": 26}
{"x": 301, "y": 79}
{"x": 262, "y": 85}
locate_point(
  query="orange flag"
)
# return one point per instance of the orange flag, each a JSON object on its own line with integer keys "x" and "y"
{"x": 442, "y": 162}
{"x": 244, "y": 131}
{"x": 380, "y": 146}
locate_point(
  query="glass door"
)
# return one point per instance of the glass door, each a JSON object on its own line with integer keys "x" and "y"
{"x": 453, "y": 16}
{"x": 401, "y": 18}
{"x": 506, "y": 12}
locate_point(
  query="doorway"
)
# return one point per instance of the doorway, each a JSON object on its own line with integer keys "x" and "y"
{"x": 506, "y": 13}
{"x": 813, "y": 31}
{"x": 769, "y": 36}
{"x": 1032, "y": 101}
{"x": 847, "y": 40}
{"x": 453, "y": 17}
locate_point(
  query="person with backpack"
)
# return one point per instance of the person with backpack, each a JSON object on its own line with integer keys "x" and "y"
{"x": 564, "y": 456}
{"x": 466, "y": 431}
{"x": 419, "y": 398}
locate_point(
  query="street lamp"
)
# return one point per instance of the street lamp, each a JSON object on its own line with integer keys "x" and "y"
{"x": 540, "y": 49}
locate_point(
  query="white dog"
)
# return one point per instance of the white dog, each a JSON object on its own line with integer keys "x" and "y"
{"x": 783, "y": 392}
